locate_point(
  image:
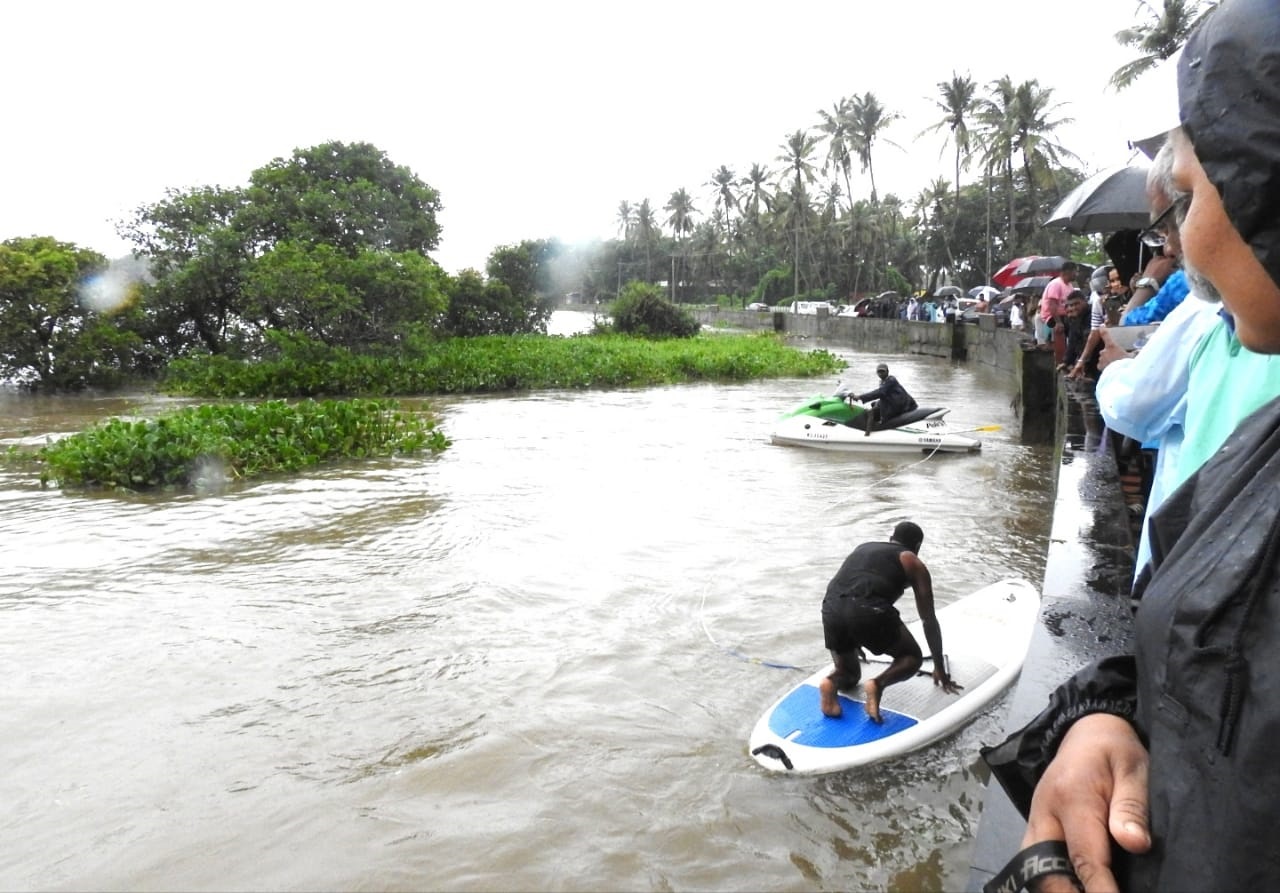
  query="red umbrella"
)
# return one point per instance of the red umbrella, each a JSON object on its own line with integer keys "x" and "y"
{"x": 1008, "y": 274}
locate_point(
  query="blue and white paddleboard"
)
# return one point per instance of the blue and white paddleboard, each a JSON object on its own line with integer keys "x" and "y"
{"x": 985, "y": 636}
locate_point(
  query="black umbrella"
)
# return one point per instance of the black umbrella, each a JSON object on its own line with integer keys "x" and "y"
{"x": 1038, "y": 266}
{"x": 1031, "y": 284}
{"x": 1113, "y": 199}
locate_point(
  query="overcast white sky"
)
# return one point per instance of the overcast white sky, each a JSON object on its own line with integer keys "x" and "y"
{"x": 532, "y": 119}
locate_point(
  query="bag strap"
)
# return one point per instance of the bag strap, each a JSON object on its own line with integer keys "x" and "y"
{"x": 1036, "y": 861}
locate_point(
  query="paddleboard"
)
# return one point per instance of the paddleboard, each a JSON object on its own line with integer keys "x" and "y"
{"x": 985, "y": 636}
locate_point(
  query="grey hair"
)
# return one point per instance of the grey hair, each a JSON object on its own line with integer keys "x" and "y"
{"x": 1160, "y": 174}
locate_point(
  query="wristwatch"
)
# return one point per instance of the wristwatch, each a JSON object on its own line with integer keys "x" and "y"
{"x": 1148, "y": 282}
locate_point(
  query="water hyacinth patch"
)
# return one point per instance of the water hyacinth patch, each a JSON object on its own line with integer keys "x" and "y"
{"x": 241, "y": 440}
{"x": 502, "y": 363}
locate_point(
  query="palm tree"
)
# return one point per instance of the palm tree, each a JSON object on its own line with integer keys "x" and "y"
{"x": 862, "y": 230}
{"x": 997, "y": 128}
{"x": 797, "y": 152}
{"x": 755, "y": 193}
{"x": 726, "y": 199}
{"x": 682, "y": 210}
{"x": 626, "y": 220}
{"x": 1162, "y": 34}
{"x": 1034, "y": 127}
{"x": 930, "y": 205}
{"x": 835, "y": 126}
{"x": 646, "y": 232}
{"x": 959, "y": 103}
{"x": 867, "y": 118}
{"x": 756, "y": 184}
{"x": 681, "y": 222}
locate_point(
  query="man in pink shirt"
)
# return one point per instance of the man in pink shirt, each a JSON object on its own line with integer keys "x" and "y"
{"x": 1053, "y": 306}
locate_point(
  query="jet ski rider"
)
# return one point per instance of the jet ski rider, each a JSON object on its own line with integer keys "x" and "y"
{"x": 892, "y": 400}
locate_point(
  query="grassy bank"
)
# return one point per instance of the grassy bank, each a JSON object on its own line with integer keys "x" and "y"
{"x": 503, "y": 363}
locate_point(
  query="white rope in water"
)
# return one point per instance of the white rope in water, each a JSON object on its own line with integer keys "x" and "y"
{"x": 859, "y": 494}
{"x": 777, "y": 665}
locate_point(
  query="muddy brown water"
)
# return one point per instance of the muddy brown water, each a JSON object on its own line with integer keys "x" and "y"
{"x": 530, "y": 663}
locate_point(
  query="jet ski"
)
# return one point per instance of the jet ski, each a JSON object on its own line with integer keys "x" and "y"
{"x": 837, "y": 422}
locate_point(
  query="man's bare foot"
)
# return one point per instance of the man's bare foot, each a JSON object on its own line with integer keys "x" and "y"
{"x": 830, "y": 699}
{"x": 871, "y": 688}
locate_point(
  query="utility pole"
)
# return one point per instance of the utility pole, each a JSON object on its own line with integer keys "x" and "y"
{"x": 986, "y": 176}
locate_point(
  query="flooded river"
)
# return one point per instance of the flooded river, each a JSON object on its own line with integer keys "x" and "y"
{"x": 529, "y": 663}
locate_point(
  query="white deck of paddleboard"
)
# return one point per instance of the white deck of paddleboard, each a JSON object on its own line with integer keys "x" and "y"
{"x": 985, "y": 636}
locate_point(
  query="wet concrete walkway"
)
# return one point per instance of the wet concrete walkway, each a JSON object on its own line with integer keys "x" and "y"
{"x": 1086, "y": 611}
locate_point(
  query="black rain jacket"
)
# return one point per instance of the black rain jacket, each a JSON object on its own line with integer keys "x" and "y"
{"x": 1203, "y": 685}
{"x": 893, "y": 397}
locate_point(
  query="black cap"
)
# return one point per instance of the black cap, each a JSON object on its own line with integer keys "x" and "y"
{"x": 1229, "y": 105}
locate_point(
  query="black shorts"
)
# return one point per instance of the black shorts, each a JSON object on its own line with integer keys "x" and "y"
{"x": 851, "y": 623}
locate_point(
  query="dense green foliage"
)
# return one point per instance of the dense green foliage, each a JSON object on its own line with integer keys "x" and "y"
{"x": 235, "y": 440}
{"x": 49, "y": 331}
{"x": 512, "y": 300}
{"x": 643, "y": 310}
{"x": 501, "y": 363}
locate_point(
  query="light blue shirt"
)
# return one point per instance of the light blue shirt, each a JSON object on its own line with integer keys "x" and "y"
{"x": 1145, "y": 397}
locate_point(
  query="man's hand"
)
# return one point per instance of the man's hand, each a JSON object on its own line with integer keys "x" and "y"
{"x": 943, "y": 678}
{"x": 1094, "y": 790}
{"x": 1110, "y": 350}
{"x": 1160, "y": 267}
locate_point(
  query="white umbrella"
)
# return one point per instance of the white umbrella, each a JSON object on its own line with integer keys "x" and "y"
{"x": 983, "y": 292}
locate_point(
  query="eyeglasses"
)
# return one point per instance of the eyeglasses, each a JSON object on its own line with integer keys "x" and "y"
{"x": 1154, "y": 236}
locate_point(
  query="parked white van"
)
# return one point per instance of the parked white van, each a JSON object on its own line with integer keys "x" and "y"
{"x": 810, "y": 308}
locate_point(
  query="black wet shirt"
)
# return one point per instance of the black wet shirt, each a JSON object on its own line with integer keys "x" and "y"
{"x": 872, "y": 572}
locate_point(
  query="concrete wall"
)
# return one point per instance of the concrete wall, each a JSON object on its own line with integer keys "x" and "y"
{"x": 1085, "y": 609}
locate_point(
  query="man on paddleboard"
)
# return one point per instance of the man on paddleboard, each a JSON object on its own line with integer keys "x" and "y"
{"x": 858, "y": 613}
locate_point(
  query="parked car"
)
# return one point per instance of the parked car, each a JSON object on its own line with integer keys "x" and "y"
{"x": 756, "y": 305}
{"x": 811, "y": 308}
{"x": 859, "y": 308}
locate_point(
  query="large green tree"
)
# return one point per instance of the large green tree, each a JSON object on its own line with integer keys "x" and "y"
{"x": 348, "y": 195}
{"x": 198, "y": 261}
{"x": 330, "y": 244}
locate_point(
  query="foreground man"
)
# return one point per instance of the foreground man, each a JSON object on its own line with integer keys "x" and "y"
{"x": 858, "y": 613}
{"x": 1157, "y": 770}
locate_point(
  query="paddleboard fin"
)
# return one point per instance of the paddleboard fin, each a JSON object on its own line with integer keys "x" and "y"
{"x": 775, "y": 752}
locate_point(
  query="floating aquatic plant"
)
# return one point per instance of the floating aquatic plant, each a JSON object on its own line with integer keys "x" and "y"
{"x": 237, "y": 440}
